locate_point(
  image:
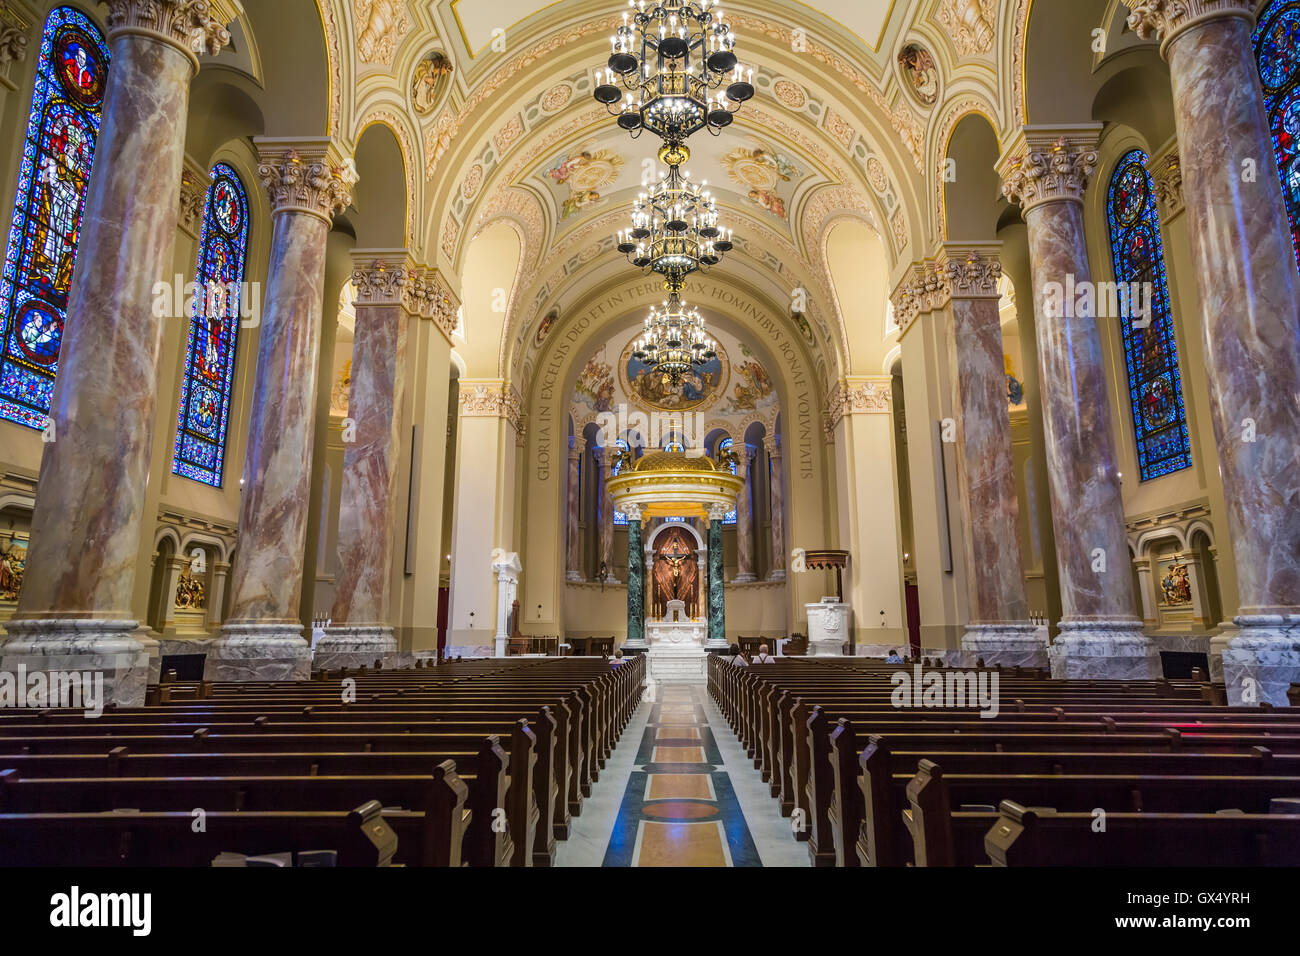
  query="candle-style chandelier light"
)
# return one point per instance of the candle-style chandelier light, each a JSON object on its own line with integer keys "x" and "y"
{"x": 675, "y": 227}
{"x": 668, "y": 64}
{"x": 674, "y": 341}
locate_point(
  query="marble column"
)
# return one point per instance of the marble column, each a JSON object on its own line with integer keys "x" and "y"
{"x": 744, "y": 520}
{"x": 717, "y": 597}
{"x": 999, "y": 630}
{"x": 635, "y": 579}
{"x": 74, "y": 611}
{"x": 309, "y": 183}
{"x": 606, "y": 515}
{"x": 773, "y": 446}
{"x": 361, "y": 627}
{"x": 1245, "y": 272}
{"x": 1046, "y": 171}
{"x": 573, "y": 547}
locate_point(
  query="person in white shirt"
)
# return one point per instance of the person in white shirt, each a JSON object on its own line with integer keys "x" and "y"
{"x": 763, "y": 657}
{"x": 737, "y": 658}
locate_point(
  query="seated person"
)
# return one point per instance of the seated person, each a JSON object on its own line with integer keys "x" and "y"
{"x": 618, "y": 658}
{"x": 737, "y": 658}
{"x": 892, "y": 657}
{"x": 763, "y": 657}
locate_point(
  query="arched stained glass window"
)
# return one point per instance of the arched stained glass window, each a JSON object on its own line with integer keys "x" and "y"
{"x": 214, "y": 327}
{"x": 58, "y": 153}
{"x": 1150, "y": 351}
{"x": 725, "y": 445}
{"x": 619, "y": 516}
{"x": 1277, "y": 53}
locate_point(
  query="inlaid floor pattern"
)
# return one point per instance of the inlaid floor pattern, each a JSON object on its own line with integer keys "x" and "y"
{"x": 680, "y": 807}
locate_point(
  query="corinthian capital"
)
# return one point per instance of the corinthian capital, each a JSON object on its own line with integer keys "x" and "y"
{"x": 382, "y": 280}
{"x": 970, "y": 271}
{"x": 433, "y": 299}
{"x": 1049, "y": 165}
{"x": 1166, "y": 19}
{"x": 186, "y": 24}
{"x": 310, "y": 177}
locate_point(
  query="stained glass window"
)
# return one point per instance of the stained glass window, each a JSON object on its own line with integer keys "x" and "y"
{"x": 1277, "y": 53}
{"x": 1150, "y": 351}
{"x": 214, "y": 327}
{"x": 619, "y": 516}
{"x": 725, "y": 445}
{"x": 58, "y": 153}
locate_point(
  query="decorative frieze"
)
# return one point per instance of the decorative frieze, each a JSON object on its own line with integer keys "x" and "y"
{"x": 970, "y": 24}
{"x": 1049, "y": 165}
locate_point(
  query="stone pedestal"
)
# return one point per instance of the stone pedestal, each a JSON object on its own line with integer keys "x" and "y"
{"x": 828, "y": 628}
{"x": 259, "y": 650}
{"x": 1103, "y": 650}
{"x": 1011, "y": 645}
{"x": 1262, "y": 660}
{"x": 355, "y": 645}
{"x": 64, "y": 646}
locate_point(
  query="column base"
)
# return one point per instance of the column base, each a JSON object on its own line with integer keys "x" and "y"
{"x": 776, "y": 574}
{"x": 745, "y": 578}
{"x": 257, "y": 651}
{"x": 639, "y": 646}
{"x": 574, "y": 577}
{"x": 1103, "y": 650}
{"x": 716, "y": 644}
{"x": 1262, "y": 660}
{"x": 833, "y": 647}
{"x": 1009, "y": 644}
{"x": 356, "y": 646}
{"x": 80, "y": 646}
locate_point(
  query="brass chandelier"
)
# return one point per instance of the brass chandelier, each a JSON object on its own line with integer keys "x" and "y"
{"x": 667, "y": 65}
{"x": 674, "y": 341}
{"x": 675, "y": 229}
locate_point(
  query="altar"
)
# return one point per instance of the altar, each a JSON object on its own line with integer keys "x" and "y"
{"x": 676, "y": 643}
{"x": 674, "y": 569}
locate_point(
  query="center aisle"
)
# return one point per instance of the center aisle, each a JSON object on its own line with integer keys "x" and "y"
{"x": 681, "y": 792}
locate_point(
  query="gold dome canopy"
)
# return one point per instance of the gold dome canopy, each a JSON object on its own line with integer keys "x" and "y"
{"x": 673, "y": 461}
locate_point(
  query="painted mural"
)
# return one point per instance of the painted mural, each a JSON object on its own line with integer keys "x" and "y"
{"x": 581, "y": 175}
{"x": 697, "y": 388}
{"x": 762, "y": 173}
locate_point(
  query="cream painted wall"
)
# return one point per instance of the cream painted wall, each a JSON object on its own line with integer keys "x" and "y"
{"x": 869, "y": 527}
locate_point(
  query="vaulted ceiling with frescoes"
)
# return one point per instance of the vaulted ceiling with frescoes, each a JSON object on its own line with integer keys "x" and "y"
{"x": 492, "y": 107}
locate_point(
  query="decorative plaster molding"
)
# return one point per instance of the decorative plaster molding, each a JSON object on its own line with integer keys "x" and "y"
{"x": 1166, "y": 19}
{"x": 970, "y": 24}
{"x": 309, "y": 177}
{"x": 491, "y": 398}
{"x": 968, "y": 271}
{"x": 384, "y": 280}
{"x": 186, "y": 24}
{"x": 857, "y": 396}
{"x": 1167, "y": 176}
{"x": 193, "y": 192}
{"x": 1049, "y": 165}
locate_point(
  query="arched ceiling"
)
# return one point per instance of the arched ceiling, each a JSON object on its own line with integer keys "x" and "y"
{"x": 491, "y": 111}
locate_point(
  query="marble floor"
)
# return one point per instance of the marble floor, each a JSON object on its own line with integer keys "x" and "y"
{"x": 679, "y": 791}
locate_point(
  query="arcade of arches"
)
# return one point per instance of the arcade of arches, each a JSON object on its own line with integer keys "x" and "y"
{"x": 413, "y": 423}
